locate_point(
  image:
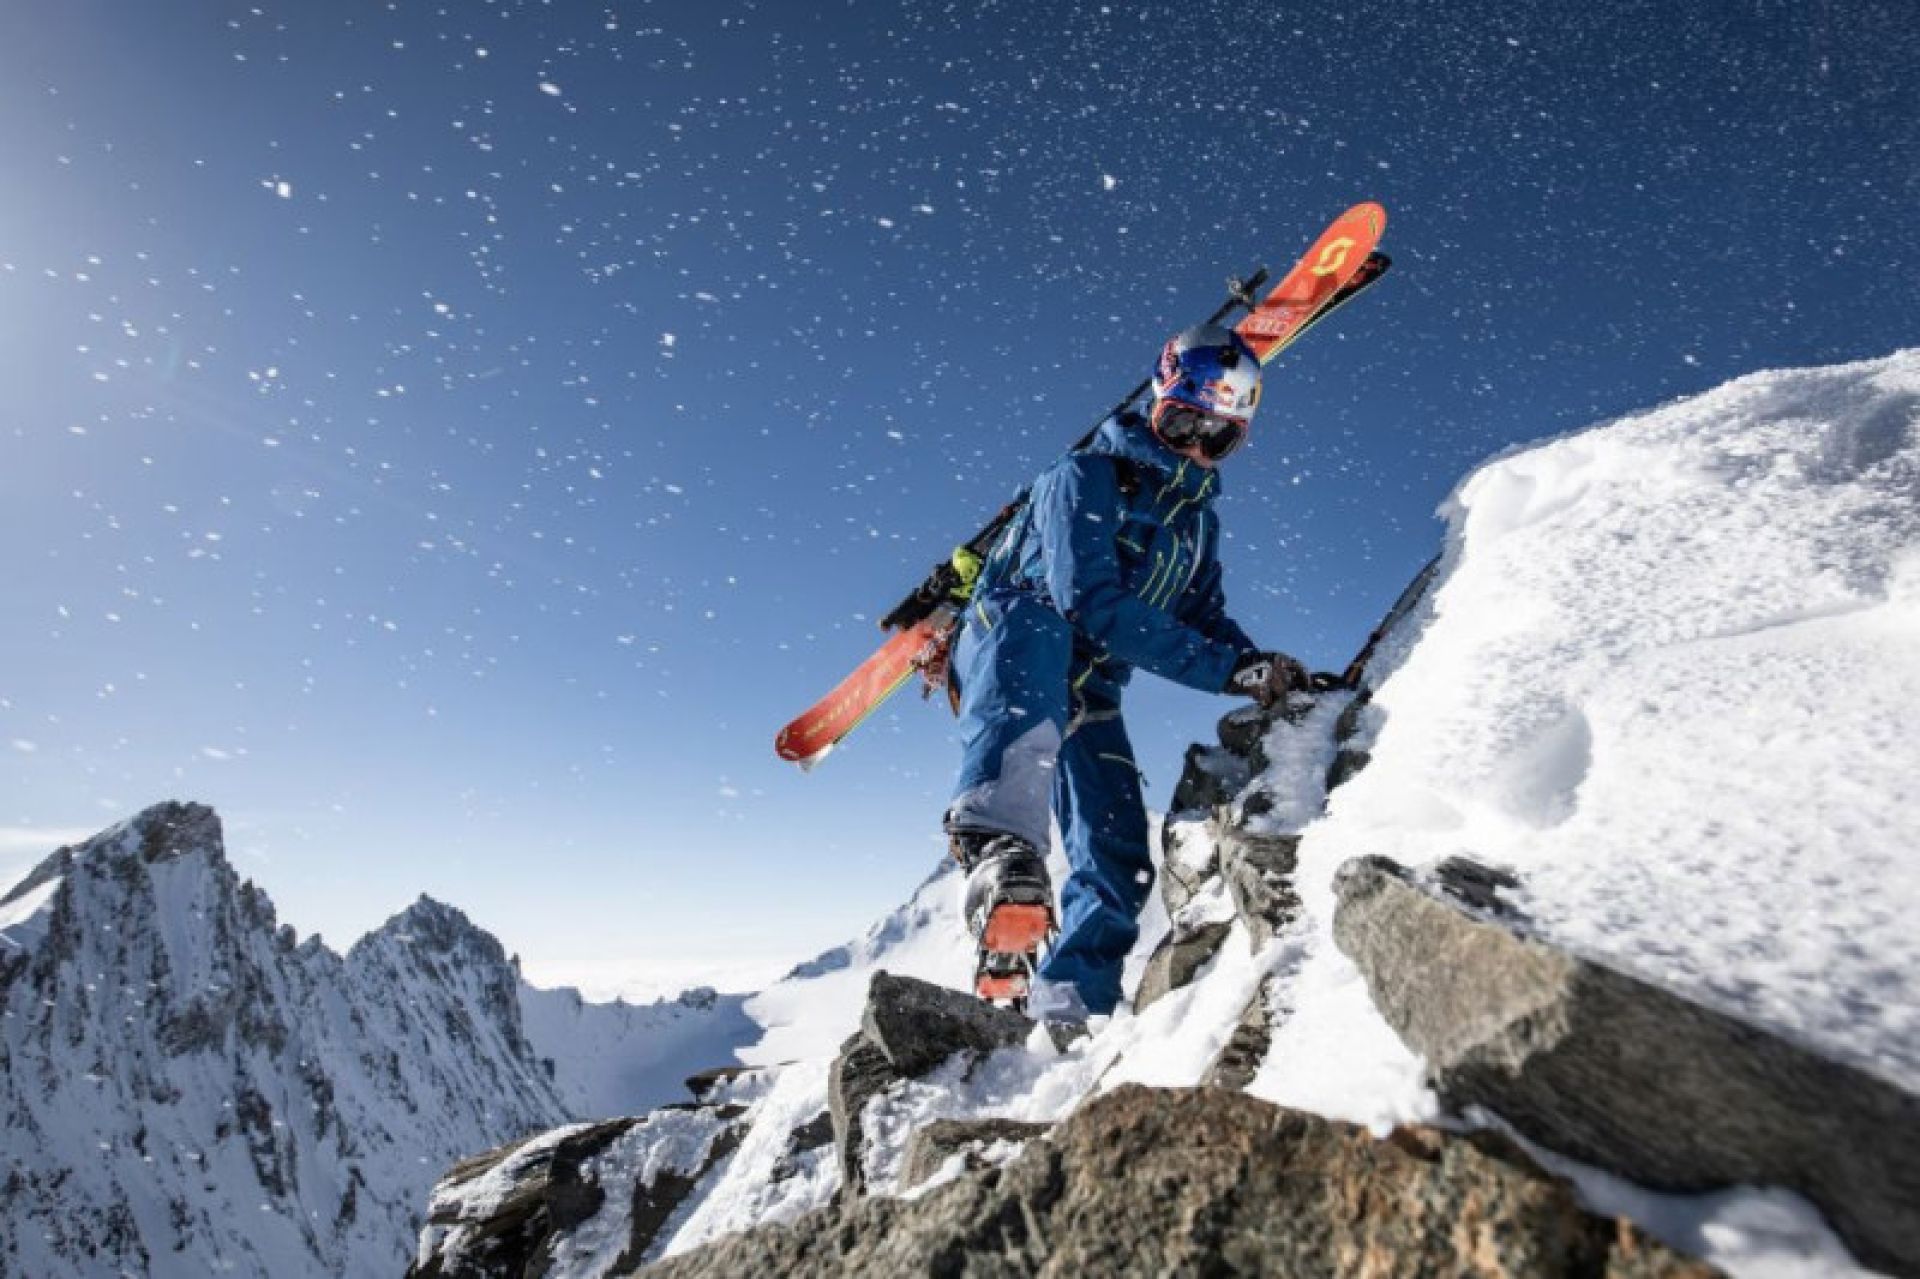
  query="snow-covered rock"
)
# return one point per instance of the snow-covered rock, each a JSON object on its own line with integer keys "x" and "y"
{"x": 1595, "y": 1063}
{"x": 1669, "y": 677}
{"x": 186, "y": 1088}
{"x": 1660, "y": 681}
{"x": 1145, "y": 1181}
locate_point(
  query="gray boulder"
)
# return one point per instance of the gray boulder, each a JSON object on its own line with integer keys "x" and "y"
{"x": 1143, "y": 1181}
{"x": 917, "y": 1025}
{"x": 908, "y": 1028}
{"x": 1620, "y": 1073}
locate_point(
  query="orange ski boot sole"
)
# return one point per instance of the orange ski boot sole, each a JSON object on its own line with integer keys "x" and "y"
{"x": 1012, "y": 986}
{"x": 1016, "y": 930}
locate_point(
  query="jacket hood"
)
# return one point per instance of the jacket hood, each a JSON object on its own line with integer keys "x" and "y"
{"x": 1128, "y": 435}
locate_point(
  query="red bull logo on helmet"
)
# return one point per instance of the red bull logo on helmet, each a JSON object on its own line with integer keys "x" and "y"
{"x": 1211, "y": 369}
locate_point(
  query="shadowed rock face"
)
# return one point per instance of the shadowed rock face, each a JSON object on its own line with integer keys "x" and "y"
{"x": 542, "y": 1191}
{"x": 1146, "y": 1181}
{"x": 510, "y": 1212}
{"x": 1620, "y": 1073}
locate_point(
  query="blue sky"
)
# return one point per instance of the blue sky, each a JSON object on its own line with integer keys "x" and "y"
{"x": 451, "y": 439}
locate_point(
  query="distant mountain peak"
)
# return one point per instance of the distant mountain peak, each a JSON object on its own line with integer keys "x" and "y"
{"x": 432, "y": 925}
{"x": 173, "y": 829}
{"x": 164, "y": 832}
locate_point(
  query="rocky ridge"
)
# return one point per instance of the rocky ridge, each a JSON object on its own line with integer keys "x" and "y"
{"x": 902, "y": 1181}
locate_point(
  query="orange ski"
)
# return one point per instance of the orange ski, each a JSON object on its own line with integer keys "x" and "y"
{"x": 1338, "y": 266}
{"x": 1335, "y": 258}
{"x": 807, "y": 739}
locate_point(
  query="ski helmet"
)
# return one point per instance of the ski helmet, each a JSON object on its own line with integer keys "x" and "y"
{"x": 1205, "y": 389}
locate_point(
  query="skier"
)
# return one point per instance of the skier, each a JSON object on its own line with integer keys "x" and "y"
{"x": 1112, "y": 565}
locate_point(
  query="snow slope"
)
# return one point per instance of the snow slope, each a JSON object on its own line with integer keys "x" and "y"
{"x": 1669, "y": 677}
{"x": 621, "y": 1059}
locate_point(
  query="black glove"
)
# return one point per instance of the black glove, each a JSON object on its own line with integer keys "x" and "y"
{"x": 1266, "y": 677}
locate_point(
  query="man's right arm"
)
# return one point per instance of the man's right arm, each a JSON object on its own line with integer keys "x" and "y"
{"x": 1077, "y": 508}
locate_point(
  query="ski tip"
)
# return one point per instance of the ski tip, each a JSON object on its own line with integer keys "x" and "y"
{"x": 1374, "y": 212}
{"x": 791, "y": 747}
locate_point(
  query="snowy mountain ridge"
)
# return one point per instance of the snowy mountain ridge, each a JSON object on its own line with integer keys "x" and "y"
{"x": 184, "y": 1088}
{"x": 1647, "y": 732}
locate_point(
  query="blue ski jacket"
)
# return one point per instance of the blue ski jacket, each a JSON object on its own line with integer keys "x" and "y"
{"x": 1121, "y": 539}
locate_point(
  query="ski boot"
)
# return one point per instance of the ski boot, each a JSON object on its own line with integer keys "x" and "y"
{"x": 1009, "y": 912}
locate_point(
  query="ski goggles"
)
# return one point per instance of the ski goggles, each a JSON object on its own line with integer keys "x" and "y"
{"x": 1181, "y": 427}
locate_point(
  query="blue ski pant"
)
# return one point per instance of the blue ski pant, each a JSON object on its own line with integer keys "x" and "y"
{"x": 1035, "y": 746}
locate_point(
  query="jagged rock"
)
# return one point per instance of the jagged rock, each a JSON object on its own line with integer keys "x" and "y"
{"x": 1345, "y": 767}
{"x": 1242, "y": 728}
{"x": 154, "y": 993}
{"x": 1209, "y": 777}
{"x": 932, "y": 1145}
{"x": 1188, "y": 858}
{"x": 907, "y": 1029}
{"x": 183, "y": 1087}
{"x": 1350, "y": 758}
{"x": 1181, "y": 955}
{"x": 1143, "y": 1181}
{"x": 918, "y": 1025}
{"x": 860, "y": 1073}
{"x": 1620, "y": 1073}
{"x": 698, "y": 997}
{"x": 1472, "y": 884}
{"x": 493, "y": 1213}
{"x": 171, "y": 829}
{"x": 656, "y": 1200}
{"x": 1259, "y": 869}
{"x": 510, "y": 1212}
{"x": 1246, "y": 1048}
{"x": 1257, "y": 802}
